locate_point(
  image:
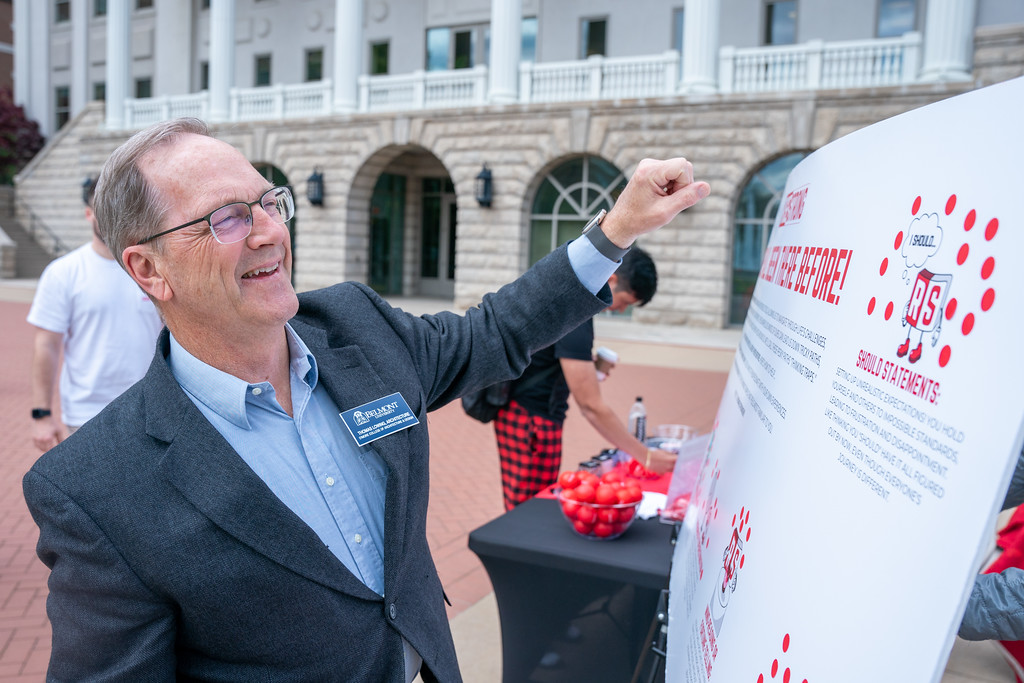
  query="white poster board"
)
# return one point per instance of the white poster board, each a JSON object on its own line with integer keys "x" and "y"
{"x": 871, "y": 419}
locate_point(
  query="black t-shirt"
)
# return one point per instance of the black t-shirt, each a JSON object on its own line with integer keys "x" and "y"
{"x": 549, "y": 396}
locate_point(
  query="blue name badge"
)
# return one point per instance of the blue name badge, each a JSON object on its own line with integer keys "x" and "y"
{"x": 378, "y": 418}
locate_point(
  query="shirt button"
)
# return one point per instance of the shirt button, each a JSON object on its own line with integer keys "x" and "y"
{"x": 330, "y": 481}
{"x": 392, "y": 611}
{"x": 256, "y": 391}
{"x": 359, "y": 538}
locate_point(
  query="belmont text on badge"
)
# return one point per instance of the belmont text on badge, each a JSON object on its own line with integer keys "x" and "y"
{"x": 379, "y": 418}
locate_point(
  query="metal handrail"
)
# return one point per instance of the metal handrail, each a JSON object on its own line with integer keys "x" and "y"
{"x": 38, "y": 225}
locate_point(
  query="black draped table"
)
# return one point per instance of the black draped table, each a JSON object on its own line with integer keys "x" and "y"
{"x": 571, "y": 608}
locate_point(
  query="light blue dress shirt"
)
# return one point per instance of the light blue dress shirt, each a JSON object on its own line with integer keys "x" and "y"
{"x": 309, "y": 459}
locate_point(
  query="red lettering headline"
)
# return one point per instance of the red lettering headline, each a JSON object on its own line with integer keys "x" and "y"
{"x": 818, "y": 272}
{"x": 899, "y": 376}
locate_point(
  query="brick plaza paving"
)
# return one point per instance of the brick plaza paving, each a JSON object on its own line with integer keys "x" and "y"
{"x": 679, "y": 385}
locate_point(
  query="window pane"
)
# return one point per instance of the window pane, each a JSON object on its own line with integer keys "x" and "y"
{"x": 62, "y": 10}
{"x": 780, "y": 26}
{"x": 143, "y": 87}
{"x": 755, "y": 215}
{"x": 379, "y": 58}
{"x": 463, "y": 49}
{"x": 204, "y": 75}
{"x": 62, "y": 104}
{"x": 529, "y": 43}
{"x": 437, "y": 49}
{"x": 430, "y": 248}
{"x": 99, "y": 91}
{"x": 895, "y": 17}
{"x": 569, "y": 197}
{"x": 540, "y": 240}
{"x": 99, "y": 9}
{"x": 314, "y": 65}
{"x": 262, "y": 70}
{"x": 143, "y": 4}
{"x": 594, "y": 31}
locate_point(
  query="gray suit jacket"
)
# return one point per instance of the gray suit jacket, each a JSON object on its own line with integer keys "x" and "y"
{"x": 171, "y": 559}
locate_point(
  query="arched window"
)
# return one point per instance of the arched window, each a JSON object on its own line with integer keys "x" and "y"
{"x": 755, "y": 215}
{"x": 568, "y": 197}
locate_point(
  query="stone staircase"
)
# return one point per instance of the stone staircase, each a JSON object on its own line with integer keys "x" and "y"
{"x": 23, "y": 258}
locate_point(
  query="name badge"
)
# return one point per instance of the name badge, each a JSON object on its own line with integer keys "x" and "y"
{"x": 378, "y": 418}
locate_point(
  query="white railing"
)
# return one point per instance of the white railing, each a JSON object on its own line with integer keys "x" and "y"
{"x": 600, "y": 78}
{"x": 281, "y": 101}
{"x": 423, "y": 90}
{"x": 143, "y": 112}
{"x": 820, "y": 65}
{"x": 812, "y": 65}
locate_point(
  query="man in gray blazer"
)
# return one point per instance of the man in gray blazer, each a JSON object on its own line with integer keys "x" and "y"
{"x": 255, "y": 507}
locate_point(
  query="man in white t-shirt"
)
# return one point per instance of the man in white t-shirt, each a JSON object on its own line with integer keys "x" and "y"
{"x": 88, "y": 307}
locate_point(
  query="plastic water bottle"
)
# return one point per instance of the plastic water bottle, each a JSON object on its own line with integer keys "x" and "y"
{"x": 638, "y": 419}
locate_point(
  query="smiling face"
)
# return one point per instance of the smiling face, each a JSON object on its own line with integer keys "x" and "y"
{"x": 232, "y": 294}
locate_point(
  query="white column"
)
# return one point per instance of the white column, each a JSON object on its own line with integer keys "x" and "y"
{"x": 506, "y": 49}
{"x": 173, "y": 58}
{"x": 118, "y": 64}
{"x": 79, "y": 55}
{"x": 40, "y": 90}
{"x": 948, "y": 40}
{"x": 222, "y": 58}
{"x": 348, "y": 52}
{"x": 22, "y": 56}
{"x": 700, "y": 46}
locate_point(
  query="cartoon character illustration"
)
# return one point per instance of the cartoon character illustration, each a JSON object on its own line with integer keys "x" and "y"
{"x": 924, "y": 312}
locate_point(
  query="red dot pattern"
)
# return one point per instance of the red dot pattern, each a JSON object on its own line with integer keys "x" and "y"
{"x": 787, "y": 673}
{"x": 963, "y": 255}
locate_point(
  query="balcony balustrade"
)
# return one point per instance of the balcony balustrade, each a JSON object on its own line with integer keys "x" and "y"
{"x": 809, "y": 66}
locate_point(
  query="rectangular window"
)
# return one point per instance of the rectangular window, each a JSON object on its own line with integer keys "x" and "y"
{"x": 62, "y": 104}
{"x": 379, "y": 58}
{"x": 677, "y": 30}
{"x": 61, "y": 11}
{"x": 262, "y": 75}
{"x": 99, "y": 91}
{"x": 780, "y": 23}
{"x": 143, "y": 87}
{"x": 143, "y": 4}
{"x": 437, "y": 48}
{"x": 895, "y": 17}
{"x": 99, "y": 8}
{"x": 528, "y": 45}
{"x": 315, "y": 64}
{"x": 463, "y": 58}
{"x": 594, "y": 38}
{"x": 204, "y": 76}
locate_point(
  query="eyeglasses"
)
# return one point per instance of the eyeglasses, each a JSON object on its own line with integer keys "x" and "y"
{"x": 233, "y": 222}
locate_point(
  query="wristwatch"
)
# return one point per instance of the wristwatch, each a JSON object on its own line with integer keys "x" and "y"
{"x": 40, "y": 413}
{"x": 593, "y": 232}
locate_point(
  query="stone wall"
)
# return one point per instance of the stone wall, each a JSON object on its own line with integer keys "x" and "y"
{"x": 728, "y": 137}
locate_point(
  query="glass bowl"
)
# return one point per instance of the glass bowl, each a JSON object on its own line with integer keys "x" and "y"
{"x": 595, "y": 521}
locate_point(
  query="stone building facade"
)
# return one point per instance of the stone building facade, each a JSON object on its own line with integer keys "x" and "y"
{"x": 727, "y": 136}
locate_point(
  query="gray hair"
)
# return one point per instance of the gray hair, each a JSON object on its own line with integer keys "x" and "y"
{"x": 128, "y": 208}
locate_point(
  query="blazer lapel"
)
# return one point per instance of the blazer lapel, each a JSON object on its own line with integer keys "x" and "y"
{"x": 351, "y": 382}
{"x": 201, "y": 464}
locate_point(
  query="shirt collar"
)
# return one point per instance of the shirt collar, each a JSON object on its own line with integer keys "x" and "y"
{"x": 225, "y": 394}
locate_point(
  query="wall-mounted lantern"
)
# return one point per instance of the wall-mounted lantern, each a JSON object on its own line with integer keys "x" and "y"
{"x": 315, "y": 188}
{"x": 484, "y": 187}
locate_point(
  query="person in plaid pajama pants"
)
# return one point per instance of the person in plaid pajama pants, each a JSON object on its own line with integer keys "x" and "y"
{"x": 529, "y": 429}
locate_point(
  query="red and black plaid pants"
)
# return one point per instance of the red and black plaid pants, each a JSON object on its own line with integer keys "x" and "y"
{"x": 530, "y": 448}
